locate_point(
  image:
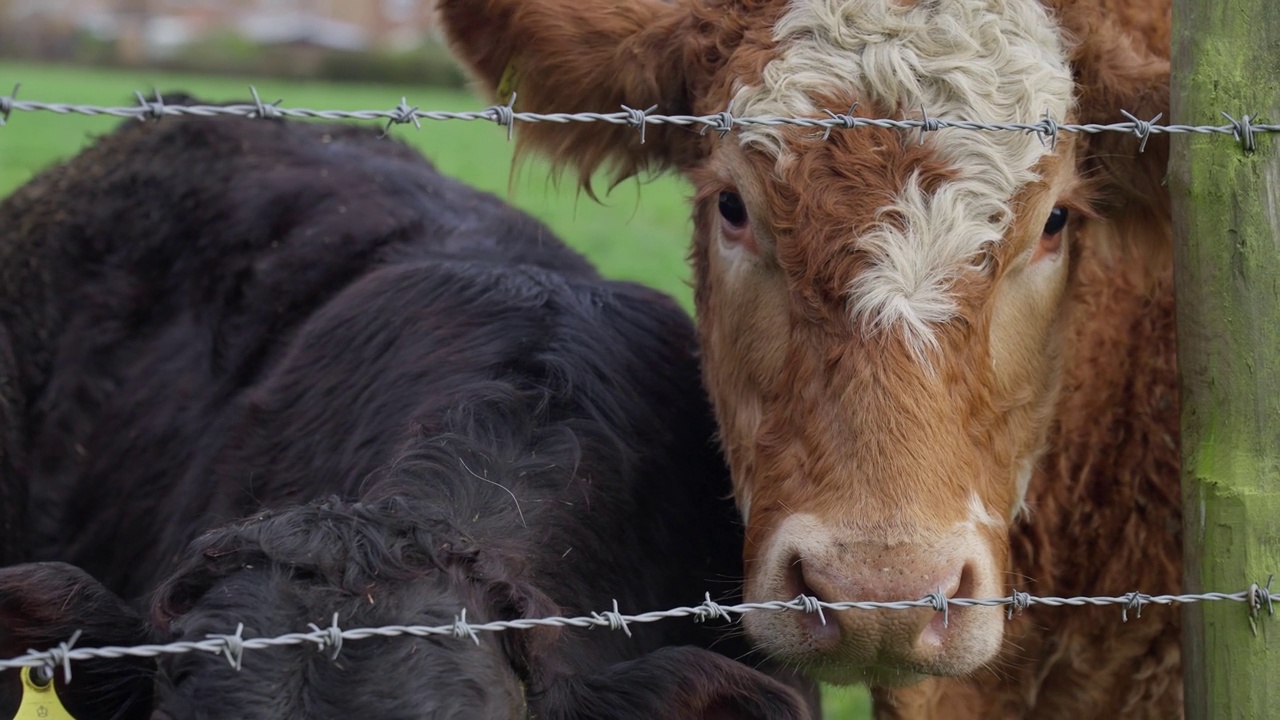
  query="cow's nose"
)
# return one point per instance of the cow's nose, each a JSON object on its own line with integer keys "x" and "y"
{"x": 909, "y": 631}
{"x": 904, "y": 636}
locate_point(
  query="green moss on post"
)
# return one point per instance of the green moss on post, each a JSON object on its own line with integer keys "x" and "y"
{"x": 1226, "y": 57}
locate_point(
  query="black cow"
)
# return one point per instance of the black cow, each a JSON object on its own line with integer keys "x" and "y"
{"x": 263, "y": 372}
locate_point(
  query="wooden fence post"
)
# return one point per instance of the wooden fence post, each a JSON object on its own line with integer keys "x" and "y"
{"x": 1226, "y": 222}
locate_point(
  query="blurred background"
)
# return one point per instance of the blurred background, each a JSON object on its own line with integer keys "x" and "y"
{"x": 346, "y": 40}
{"x": 322, "y": 54}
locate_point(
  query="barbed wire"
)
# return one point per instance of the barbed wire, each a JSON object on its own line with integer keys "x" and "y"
{"x": 331, "y": 638}
{"x": 1244, "y": 130}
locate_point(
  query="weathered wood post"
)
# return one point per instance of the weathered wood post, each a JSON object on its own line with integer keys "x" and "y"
{"x": 1226, "y": 221}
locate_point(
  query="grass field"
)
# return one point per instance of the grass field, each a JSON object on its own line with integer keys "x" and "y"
{"x": 639, "y": 232}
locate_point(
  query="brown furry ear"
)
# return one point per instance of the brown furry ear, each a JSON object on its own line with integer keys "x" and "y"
{"x": 1120, "y": 54}
{"x": 585, "y": 56}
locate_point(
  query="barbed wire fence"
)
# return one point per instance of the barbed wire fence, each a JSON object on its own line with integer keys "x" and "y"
{"x": 232, "y": 646}
{"x": 332, "y": 637}
{"x": 1245, "y": 130}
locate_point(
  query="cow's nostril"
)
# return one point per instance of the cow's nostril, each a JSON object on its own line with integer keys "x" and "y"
{"x": 824, "y": 634}
{"x": 965, "y": 585}
{"x": 960, "y": 585}
{"x": 795, "y": 582}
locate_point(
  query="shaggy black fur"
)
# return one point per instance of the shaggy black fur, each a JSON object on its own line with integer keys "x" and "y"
{"x": 267, "y": 372}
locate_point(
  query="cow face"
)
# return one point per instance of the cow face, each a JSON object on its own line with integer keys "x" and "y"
{"x": 881, "y": 311}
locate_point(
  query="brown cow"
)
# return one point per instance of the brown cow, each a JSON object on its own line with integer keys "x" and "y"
{"x": 941, "y": 362}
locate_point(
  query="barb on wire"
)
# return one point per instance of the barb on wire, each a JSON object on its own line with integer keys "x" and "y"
{"x": 1142, "y": 128}
{"x": 330, "y": 637}
{"x": 1244, "y": 130}
{"x": 722, "y": 122}
{"x": 463, "y": 630}
{"x": 233, "y": 646}
{"x": 6, "y": 104}
{"x": 261, "y": 109}
{"x": 615, "y": 619}
{"x": 1018, "y": 602}
{"x": 928, "y": 124}
{"x": 1133, "y": 601}
{"x": 638, "y": 118}
{"x": 504, "y": 115}
{"x": 1258, "y": 596}
{"x": 403, "y": 115}
{"x": 1048, "y": 131}
{"x": 710, "y": 609}
{"x": 59, "y": 657}
{"x": 845, "y": 121}
{"x": 938, "y": 601}
{"x": 150, "y": 109}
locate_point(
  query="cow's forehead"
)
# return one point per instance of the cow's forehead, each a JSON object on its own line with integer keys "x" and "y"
{"x": 1002, "y": 59}
{"x": 996, "y": 61}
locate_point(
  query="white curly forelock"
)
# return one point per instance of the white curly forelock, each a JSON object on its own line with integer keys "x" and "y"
{"x": 990, "y": 60}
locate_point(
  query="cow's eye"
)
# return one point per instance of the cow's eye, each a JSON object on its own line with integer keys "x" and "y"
{"x": 1051, "y": 240}
{"x": 1056, "y": 223}
{"x": 732, "y": 209}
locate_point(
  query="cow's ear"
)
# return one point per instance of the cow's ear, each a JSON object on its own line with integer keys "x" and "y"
{"x": 1120, "y": 58}
{"x": 680, "y": 683}
{"x": 209, "y": 559}
{"x": 587, "y": 56}
{"x": 45, "y": 604}
{"x": 529, "y": 651}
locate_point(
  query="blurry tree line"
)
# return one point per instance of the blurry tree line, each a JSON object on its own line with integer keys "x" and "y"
{"x": 48, "y": 36}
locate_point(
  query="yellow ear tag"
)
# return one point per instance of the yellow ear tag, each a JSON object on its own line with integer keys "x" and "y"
{"x": 507, "y": 85}
{"x": 40, "y": 702}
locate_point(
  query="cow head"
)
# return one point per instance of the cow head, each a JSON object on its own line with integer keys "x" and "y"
{"x": 388, "y": 562}
{"x": 881, "y": 310}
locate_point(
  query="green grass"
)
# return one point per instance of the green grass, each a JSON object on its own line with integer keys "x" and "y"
{"x": 627, "y": 238}
{"x": 639, "y": 233}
